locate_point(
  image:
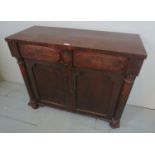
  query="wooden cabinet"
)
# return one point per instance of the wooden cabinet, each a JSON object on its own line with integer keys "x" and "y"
{"x": 83, "y": 71}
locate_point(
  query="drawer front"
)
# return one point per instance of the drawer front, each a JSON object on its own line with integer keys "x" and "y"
{"x": 99, "y": 61}
{"x": 37, "y": 52}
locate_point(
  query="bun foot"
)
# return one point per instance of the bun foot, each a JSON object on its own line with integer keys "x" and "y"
{"x": 115, "y": 124}
{"x": 33, "y": 104}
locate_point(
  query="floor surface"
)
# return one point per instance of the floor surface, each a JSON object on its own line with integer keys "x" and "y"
{"x": 17, "y": 117}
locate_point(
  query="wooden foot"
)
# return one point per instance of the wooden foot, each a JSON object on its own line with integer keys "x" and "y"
{"x": 115, "y": 124}
{"x": 33, "y": 104}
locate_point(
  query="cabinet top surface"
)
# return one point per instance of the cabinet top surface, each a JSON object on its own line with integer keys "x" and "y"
{"x": 100, "y": 40}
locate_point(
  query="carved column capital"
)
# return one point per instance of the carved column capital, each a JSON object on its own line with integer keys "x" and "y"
{"x": 130, "y": 79}
{"x": 20, "y": 61}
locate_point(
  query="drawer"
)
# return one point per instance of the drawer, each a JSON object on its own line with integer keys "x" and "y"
{"x": 37, "y": 52}
{"x": 99, "y": 61}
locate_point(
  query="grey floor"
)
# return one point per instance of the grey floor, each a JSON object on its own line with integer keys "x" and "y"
{"x": 16, "y": 116}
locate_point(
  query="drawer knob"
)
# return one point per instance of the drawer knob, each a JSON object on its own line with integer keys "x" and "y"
{"x": 67, "y": 44}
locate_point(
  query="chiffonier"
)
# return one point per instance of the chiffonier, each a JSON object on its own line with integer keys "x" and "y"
{"x": 84, "y": 71}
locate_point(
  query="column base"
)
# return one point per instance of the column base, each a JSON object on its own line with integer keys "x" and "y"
{"x": 115, "y": 124}
{"x": 34, "y": 104}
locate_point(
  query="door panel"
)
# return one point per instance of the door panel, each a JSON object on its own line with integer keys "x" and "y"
{"x": 96, "y": 92}
{"x": 48, "y": 81}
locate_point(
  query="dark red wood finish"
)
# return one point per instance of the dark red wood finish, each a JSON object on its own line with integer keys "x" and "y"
{"x": 89, "y": 72}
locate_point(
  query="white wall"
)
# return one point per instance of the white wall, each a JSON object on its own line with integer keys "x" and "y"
{"x": 143, "y": 93}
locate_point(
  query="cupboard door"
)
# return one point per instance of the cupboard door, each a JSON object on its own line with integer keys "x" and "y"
{"x": 96, "y": 92}
{"x": 48, "y": 81}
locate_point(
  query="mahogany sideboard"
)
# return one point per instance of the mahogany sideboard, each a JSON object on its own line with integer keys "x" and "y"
{"x": 85, "y": 71}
